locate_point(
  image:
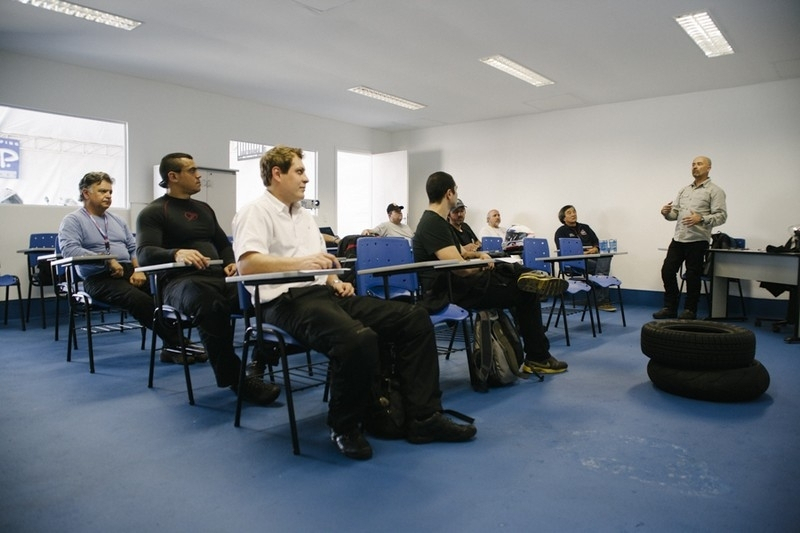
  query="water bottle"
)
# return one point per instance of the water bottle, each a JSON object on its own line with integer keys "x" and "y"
{"x": 603, "y": 246}
{"x": 612, "y": 245}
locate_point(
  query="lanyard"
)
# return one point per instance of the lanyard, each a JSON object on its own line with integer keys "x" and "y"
{"x": 102, "y": 234}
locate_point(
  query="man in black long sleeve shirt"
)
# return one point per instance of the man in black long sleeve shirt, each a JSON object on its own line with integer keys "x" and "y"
{"x": 176, "y": 228}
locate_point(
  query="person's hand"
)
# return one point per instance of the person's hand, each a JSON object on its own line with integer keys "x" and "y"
{"x": 691, "y": 219}
{"x": 115, "y": 268}
{"x": 137, "y": 279}
{"x": 472, "y": 247}
{"x": 484, "y": 255}
{"x": 230, "y": 270}
{"x": 593, "y": 250}
{"x": 343, "y": 289}
{"x": 666, "y": 209}
{"x": 318, "y": 261}
{"x": 192, "y": 257}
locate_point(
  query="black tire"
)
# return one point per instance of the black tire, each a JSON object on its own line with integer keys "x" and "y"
{"x": 736, "y": 385}
{"x": 698, "y": 344}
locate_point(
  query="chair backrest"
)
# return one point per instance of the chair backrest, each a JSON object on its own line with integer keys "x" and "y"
{"x": 571, "y": 246}
{"x": 533, "y": 248}
{"x": 374, "y": 252}
{"x": 492, "y": 244}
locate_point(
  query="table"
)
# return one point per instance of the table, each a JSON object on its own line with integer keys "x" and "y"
{"x": 421, "y": 266}
{"x": 754, "y": 265}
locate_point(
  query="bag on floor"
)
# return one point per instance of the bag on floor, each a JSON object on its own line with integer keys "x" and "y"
{"x": 497, "y": 353}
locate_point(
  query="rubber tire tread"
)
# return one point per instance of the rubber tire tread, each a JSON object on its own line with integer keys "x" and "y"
{"x": 698, "y": 344}
{"x": 736, "y": 385}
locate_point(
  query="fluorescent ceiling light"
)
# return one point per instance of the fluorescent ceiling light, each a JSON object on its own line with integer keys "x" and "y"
{"x": 705, "y": 34}
{"x": 388, "y": 98}
{"x": 93, "y": 15}
{"x": 517, "y": 70}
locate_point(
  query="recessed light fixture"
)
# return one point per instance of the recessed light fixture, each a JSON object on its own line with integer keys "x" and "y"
{"x": 518, "y": 71}
{"x": 93, "y": 15}
{"x": 388, "y": 98}
{"x": 705, "y": 34}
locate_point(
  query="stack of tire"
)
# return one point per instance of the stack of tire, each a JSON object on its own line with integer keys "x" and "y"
{"x": 704, "y": 360}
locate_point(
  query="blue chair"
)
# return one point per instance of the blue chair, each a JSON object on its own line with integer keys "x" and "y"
{"x": 83, "y": 306}
{"x": 574, "y": 246}
{"x": 39, "y": 244}
{"x": 533, "y": 249}
{"x": 8, "y": 281}
{"x": 263, "y": 338}
{"x": 374, "y": 252}
{"x": 492, "y": 244}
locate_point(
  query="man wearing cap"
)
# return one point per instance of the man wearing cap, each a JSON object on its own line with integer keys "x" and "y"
{"x": 393, "y": 227}
{"x": 469, "y": 241}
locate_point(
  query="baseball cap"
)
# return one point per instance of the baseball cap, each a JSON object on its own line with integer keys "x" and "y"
{"x": 393, "y": 207}
{"x": 459, "y": 205}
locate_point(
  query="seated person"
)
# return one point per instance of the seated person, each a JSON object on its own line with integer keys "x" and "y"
{"x": 506, "y": 286}
{"x": 466, "y": 237}
{"x": 272, "y": 235}
{"x": 492, "y": 227}
{"x": 177, "y": 228}
{"x": 393, "y": 227}
{"x": 571, "y": 228}
{"x": 93, "y": 230}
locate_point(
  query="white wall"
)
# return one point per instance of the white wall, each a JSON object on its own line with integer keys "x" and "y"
{"x": 618, "y": 164}
{"x": 161, "y": 118}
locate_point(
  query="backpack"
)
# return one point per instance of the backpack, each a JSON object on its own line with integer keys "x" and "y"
{"x": 497, "y": 353}
{"x": 722, "y": 241}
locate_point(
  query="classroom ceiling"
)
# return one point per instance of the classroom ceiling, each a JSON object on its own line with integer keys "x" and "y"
{"x": 303, "y": 55}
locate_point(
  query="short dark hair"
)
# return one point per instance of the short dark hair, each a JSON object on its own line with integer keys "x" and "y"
{"x": 89, "y": 179}
{"x": 438, "y": 184}
{"x": 282, "y": 157}
{"x": 562, "y": 212}
{"x": 171, "y": 163}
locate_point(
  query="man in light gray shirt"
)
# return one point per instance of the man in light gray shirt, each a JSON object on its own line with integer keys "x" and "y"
{"x": 699, "y": 207}
{"x": 393, "y": 227}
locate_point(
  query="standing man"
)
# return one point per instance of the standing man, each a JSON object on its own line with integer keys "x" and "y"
{"x": 275, "y": 234}
{"x": 507, "y": 286}
{"x": 93, "y": 230}
{"x": 492, "y": 227}
{"x": 394, "y": 227}
{"x": 699, "y": 207}
{"x": 177, "y": 228}
{"x": 469, "y": 241}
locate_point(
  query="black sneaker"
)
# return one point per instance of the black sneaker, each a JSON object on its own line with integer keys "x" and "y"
{"x": 688, "y": 314}
{"x": 352, "y": 444}
{"x": 174, "y": 356}
{"x": 438, "y": 427}
{"x": 665, "y": 312}
{"x": 258, "y": 392}
{"x": 551, "y": 365}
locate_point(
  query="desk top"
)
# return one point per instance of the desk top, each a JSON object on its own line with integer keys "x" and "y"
{"x": 94, "y": 258}
{"x": 36, "y": 250}
{"x": 436, "y": 264}
{"x": 271, "y": 278}
{"x": 578, "y": 257}
{"x": 168, "y": 266}
{"x": 758, "y": 252}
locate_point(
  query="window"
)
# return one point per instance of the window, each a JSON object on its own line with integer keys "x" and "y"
{"x": 43, "y": 156}
{"x": 245, "y": 157}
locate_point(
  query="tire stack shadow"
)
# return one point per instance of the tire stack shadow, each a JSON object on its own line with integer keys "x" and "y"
{"x": 703, "y": 360}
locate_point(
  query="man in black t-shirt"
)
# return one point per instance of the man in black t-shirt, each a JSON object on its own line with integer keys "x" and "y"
{"x": 177, "y": 228}
{"x": 503, "y": 286}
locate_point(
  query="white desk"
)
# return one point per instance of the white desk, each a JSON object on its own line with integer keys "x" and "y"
{"x": 754, "y": 265}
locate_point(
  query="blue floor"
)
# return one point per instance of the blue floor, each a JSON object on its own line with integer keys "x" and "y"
{"x": 595, "y": 449}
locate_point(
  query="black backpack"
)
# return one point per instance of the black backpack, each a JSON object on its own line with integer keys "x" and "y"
{"x": 497, "y": 353}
